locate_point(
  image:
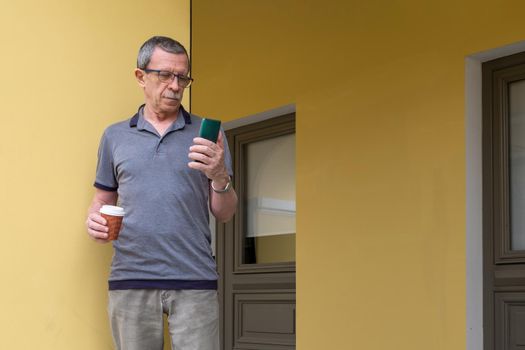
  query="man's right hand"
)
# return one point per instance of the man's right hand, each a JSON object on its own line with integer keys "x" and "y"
{"x": 96, "y": 225}
{"x": 97, "y": 228}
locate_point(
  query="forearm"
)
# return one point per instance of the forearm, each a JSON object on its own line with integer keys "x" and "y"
{"x": 102, "y": 198}
{"x": 208, "y": 157}
{"x": 223, "y": 205}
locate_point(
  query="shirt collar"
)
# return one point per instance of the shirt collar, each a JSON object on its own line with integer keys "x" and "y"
{"x": 134, "y": 121}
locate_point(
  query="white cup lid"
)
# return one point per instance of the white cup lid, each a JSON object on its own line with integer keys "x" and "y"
{"x": 112, "y": 210}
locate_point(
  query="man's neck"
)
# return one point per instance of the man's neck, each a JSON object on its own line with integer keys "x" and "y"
{"x": 160, "y": 121}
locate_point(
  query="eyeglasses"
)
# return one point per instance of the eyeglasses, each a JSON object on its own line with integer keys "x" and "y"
{"x": 167, "y": 77}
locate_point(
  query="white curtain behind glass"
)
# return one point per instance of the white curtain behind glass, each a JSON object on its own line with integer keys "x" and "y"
{"x": 271, "y": 187}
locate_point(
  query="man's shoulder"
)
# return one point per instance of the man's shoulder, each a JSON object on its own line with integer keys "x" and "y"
{"x": 117, "y": 132}
{"x": 195, "y": 118}
{"x": 118, "y": 127}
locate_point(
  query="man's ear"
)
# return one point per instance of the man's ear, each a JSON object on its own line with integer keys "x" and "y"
{"x": 139, "y": 75}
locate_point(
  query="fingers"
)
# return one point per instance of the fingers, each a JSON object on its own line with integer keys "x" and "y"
{"x": 208, "y": 151}
{"x": 96, "y": 228}
{"x": 199, "y": 157}
{"x": 97, "y": 219}
{"x": 203, "y": 141}
{"x": 208, "y": 157}
{"x": 220, "y": 141}
{"x": 211, "y": 170}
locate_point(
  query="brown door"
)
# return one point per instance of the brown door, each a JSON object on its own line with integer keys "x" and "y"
{"x": 504, "y": 203}
{"x": 256, "y": 250}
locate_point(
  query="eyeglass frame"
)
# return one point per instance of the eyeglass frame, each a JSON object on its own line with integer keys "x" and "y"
{"x": 173, "y": 76}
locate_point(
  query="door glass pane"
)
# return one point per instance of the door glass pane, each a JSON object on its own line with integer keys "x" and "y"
{"x": 517, "y": 165}
{"x": 270, "y": 201}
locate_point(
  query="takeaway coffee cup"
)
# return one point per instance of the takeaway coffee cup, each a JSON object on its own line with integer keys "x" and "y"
{"x": 114, "y": 216}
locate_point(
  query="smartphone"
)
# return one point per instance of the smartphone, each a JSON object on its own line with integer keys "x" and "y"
{"x": 210, "y": 129}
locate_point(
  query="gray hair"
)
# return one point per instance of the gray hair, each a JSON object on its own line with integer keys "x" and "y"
{"x": 165, "y": 43}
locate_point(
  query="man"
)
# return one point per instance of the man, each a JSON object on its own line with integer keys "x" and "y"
{"x": 164, "y": 176}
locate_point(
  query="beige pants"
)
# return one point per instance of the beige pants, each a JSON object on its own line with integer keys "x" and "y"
{"x": 136, "y": 318}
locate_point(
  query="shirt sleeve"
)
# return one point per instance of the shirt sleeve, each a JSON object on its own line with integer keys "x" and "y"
{"x": 227, "y": 155}
{"x": 105, "y": 177}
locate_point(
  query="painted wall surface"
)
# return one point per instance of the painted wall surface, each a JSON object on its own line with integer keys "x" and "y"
{"x": 379, "y": 91}
{"x": 67, "y": 72}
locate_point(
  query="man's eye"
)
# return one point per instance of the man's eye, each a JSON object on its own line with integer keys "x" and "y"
{"x": 165, "y": 75}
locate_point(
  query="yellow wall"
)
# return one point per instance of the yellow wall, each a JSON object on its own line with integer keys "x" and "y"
{"x": 67, "y": 72}
{"x": 379, "y": 92}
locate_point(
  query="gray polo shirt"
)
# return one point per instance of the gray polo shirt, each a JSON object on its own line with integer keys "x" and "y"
{"x": 165, "y": 239}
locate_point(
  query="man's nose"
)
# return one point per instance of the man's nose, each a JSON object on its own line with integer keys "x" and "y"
{"x": 174, "y": 85}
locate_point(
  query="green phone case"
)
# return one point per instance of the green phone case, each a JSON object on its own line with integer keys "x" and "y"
{"x": 210, "y": 129}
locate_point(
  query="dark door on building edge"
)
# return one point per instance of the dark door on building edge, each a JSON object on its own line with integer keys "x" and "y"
{"x": 504, "y": 203}
{"x": 256, "y": 250}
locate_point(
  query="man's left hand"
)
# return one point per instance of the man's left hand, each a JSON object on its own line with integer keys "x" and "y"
{"x": 208, "y": 157}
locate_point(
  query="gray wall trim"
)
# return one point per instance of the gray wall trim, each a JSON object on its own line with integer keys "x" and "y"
{"x": 259, "y": 117}
{"x": 474, "y": 210}
{"x": 474, "y": 237}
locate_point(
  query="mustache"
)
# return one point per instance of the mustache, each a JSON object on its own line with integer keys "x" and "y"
{"x": 173, "y": 96}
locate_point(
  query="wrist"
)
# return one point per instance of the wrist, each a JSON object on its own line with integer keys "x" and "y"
{"x": 220, "y": 180}
{"x": 222, "y": 184}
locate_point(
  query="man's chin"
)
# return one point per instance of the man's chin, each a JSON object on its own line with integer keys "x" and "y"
{"x": 171, "y": 107}
{"x": 172, "y": 102}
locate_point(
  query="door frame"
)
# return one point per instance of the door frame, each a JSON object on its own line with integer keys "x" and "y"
{"x": 474, "y": 209}
{"x": 220, "y": 229}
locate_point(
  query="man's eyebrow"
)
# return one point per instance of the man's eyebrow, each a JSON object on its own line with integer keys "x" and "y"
{"x": 174, "y": 72}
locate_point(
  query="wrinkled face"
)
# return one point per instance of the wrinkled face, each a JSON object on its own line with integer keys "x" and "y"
{"x": 163, "y": 97}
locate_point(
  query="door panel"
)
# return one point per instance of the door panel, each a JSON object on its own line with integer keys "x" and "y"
{"x": 510, "y": 321}
{"x": 264, "y": 318}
